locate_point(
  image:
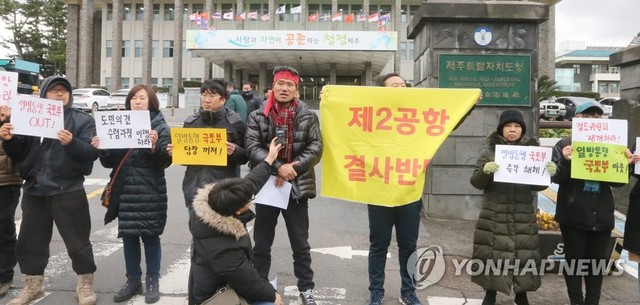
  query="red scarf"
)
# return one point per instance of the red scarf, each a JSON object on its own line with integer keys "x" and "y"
{"x": 283, "y": 118}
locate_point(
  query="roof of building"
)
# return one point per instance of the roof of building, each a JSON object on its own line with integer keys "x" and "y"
{"x": 590, "y": 53}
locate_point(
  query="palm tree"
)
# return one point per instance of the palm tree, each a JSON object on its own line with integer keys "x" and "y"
{"x": 547, "y": 87}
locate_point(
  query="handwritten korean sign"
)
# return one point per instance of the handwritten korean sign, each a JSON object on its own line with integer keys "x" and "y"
{"x": 598, "y": 147}
{"x": 637, "y": 168}
{"x": 123, "y": 129}
{"x": 34, "y": 116}
{"x": 381, "y": 139}
{"x": 199, "y": 146}
{"x": 522, "y": 164}
{"x": 8, "y": 86}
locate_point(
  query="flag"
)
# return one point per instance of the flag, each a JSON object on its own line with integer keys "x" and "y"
{"x": 194, "y": 17}
{"x": 386, "y": 17}
{"x": 240, "y": 17}
{"x": 337, "y": 17}
{"x": 204, "y": 16}
{"x": 362, "y": 17}
{"x": 296, "y": 10}
{"x": 253, "y": 15}
{"x": 281, "y": 9}
{"x": 265, "y": 17}
{"x": 325, "y": 17}
{"x": 228, "y": 16}
{"x": 349, "y": 18}
{"x": 203, "y": 23}
{"x": 216, "y": 15}
{"x": 313, "y": 17}
{"x": 382, "y": 25}
{"x": 373, "y": 17}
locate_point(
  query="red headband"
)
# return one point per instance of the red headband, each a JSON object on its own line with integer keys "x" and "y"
{"x": 288, "y": 75}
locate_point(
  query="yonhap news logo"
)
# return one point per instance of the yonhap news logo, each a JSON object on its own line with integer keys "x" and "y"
{"x": 426, "y": 266}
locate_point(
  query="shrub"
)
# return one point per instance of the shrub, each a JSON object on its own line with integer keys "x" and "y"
{"x": 546, "y": 222}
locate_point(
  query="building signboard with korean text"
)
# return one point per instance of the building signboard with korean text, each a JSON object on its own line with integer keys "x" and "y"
{"x": 505, "y": 80}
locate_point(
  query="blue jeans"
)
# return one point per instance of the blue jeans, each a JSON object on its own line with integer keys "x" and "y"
{"x": 132, "y": 255}
{"x": 406, "y": 219}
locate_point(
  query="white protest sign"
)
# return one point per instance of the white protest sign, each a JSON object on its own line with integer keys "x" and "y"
{"x": 123, "y": 129}
{"x": 637, "y": 168}
{"x": 607, "y": 131}
{"x": 274, "y": 196}
{"x": 34, "y": 116}
{"x": 522, "y": 164}
{"x": 8, "y": 86}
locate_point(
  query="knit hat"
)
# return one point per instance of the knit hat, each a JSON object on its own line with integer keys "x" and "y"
{"x": 509, "y": 116}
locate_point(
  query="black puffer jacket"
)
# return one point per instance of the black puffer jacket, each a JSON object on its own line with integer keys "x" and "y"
{"x": 632, "y": 225}
{"x": 307, "y": 146}
{"x": 49, "y": 168}
{"x": 575, "y": 207}
{"x": 506, "y": 227}
{"x": 222, "y": 250}
{"x": 139, "y": 194}
{"x": 197, "y": 176}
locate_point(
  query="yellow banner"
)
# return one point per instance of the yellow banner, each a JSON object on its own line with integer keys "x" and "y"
{"x": 378, "y": 141}
{"x": 599, "y": 162}
{"x": 199, "y": 146}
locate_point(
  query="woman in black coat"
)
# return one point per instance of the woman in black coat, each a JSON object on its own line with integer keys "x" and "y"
{"x": 139, "y": 197}
{"x": 221, "y": 245}
{"x": 632, "y": 225}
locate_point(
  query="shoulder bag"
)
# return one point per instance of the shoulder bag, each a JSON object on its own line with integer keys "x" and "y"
{"x": 105, "y": 198}
{"x": 225, "y": 296}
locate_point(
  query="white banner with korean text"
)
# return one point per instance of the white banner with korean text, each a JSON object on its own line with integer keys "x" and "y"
{"x": 34, "y": 116}
{"x": 123, "y": 129}
{"x": 522, "y": 164}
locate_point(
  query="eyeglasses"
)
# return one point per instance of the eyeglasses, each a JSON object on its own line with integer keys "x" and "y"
{"x": 285, "y": 68}
{"x": 209, "y": 96}
{"x": 58, "y": 90}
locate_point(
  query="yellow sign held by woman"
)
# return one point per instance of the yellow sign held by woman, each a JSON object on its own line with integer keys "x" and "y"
{"x": 379, "y": 140}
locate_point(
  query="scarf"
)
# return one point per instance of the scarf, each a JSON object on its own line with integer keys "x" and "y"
{"x": 283, "y": 117}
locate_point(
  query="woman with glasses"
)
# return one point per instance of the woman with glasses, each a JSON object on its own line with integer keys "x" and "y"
{"x": 222, "y": 246}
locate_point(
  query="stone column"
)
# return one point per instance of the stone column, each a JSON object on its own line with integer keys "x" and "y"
{"x": 208, "y": 65}
{"x": 332, "y": 73}
{"x": 96, "y": 57}
{"x": 228, "y": 70}
{"x": 86, "y": 43}
{"x": 368, "y": 74}
{"x": 262, "y": 76}
{"x": 116, "y": 36}
{"x": 396, "y": 27}
{"x": 177, "y": 53}
{"x": 147, "y": 41}
{"x": 72, "y": 49}
{"x": 272, "y": 14}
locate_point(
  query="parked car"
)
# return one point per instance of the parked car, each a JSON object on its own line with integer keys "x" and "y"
{"x": 552, "y": 111}
{"x": 90, "y": 99}
{"x": 607, "y": 103}
{"x": 117, "y": 98}
{"x": 572, "y": 102}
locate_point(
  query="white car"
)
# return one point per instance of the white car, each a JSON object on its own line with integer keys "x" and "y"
{"x": 117, "y": 99}
{"x": 607, "y": 104}
{"x": 90, "y": 99}
{"x": 552, "y": 111}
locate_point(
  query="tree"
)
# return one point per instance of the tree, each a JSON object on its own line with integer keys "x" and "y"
{"x": 38, "y": 32}
{"x": 547, "y": 87}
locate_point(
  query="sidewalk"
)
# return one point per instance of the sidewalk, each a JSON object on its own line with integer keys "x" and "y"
{"x": 456, "y": 239}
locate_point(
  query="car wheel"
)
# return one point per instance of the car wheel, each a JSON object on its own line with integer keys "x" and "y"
{"x": 94, "y": 107}
{"x": 560, "y": 118}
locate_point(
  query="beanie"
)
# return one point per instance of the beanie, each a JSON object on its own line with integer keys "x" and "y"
{"x": 509, "y": 116}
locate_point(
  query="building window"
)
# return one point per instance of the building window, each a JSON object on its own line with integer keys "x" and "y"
{"x": 197, "y": 8}
{"x": 410, "y": 48}
{"x": 184, "y": 49}
{"x": 139, "y": 12}
{"x": 325, "y": 9}
{"x": 107, "y": 82}
{"x": 168, "y": 12}
{"x": 385, "y": 9}
{"x": 109, "y": 48}
{"x": 155, "y": 44}
{"x": 403, "y": 50}
{"x": 256, "y": 7}
{"x": 126, "y": 16}
{"x": 167, "y": 48}
{"x": 228, "y": 8}
{"x": 614, "y": 70}
{"x": 137, "y": 80}
{"x": 615, "y": 88}
{"x": 138, "y": 48}
{"x": 167, "y": 82}
{"x": 126, "y": 48}
{"x": 156, "y": 12}
{"x": 576, "y": 69}
{"x": 154, "y": 81}
{"x": 373, "y": 9}
{"x": 403, "y": 14}
{"x": 185, "y": 12}
{"x": 124, "y": 83}
{"x": 109, "y": 12}
{"x": 602, "y": 88}
{"x": 413, "y": 9}
{"x": 356, "y": 9}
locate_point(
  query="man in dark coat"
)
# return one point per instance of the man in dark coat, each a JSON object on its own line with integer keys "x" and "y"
{"x": 53, "y": 191}
{"x": 632, "y": 226}
{"x": 251, "y": 97}
{"x": 299, "y": 130}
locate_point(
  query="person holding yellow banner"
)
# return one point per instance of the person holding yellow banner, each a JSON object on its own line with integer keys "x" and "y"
{"x": 506, "y": 233}
{"x": 584, "y": 211}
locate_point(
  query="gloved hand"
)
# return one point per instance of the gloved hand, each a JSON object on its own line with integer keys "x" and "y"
{"x": 490, "y": 168}
{"x": 551, "y": 168}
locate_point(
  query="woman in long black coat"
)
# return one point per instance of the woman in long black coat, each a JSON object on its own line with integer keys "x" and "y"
{"x": 632, "y": 225}
{"x": 139, "y": 197}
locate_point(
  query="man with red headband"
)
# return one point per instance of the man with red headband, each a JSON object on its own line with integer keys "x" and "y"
{"x": 298, "y": 129}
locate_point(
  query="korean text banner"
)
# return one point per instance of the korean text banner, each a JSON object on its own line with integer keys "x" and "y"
{"x": 522, "y": 164}
{"x": 199, "y": 146}
{"x": 378, "y": 141}
{"x": 34, "y": 116}
{"x": 598, "y": 147}
{"x": 123, "y": 129}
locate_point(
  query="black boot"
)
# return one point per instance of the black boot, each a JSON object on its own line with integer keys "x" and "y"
{"x": 489, "y": 297}
{"x": 521, "y": 299}
{"x": 152, "y": 294}
{"x": 132, "y": 287}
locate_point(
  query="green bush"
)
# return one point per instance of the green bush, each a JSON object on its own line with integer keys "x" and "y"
{"x": 554, "y": 133}
{"x": 161, "y": 89}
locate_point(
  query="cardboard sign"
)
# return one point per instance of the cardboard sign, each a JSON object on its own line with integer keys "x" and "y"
{"x": 34, "y": 116}
{"x": 522, "y": 164}
{"x": 123, "y": 129}
{"x": 598, "y": 147}
{"x": 8, "y": 87}
{"x": 199, "y": 146}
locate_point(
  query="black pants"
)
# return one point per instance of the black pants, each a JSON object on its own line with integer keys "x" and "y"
{"x": 296, "y": 218}
{"x": 583, "y": 244}
{"x": 70, "y": 212}
{"x": 9, "y": 196}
